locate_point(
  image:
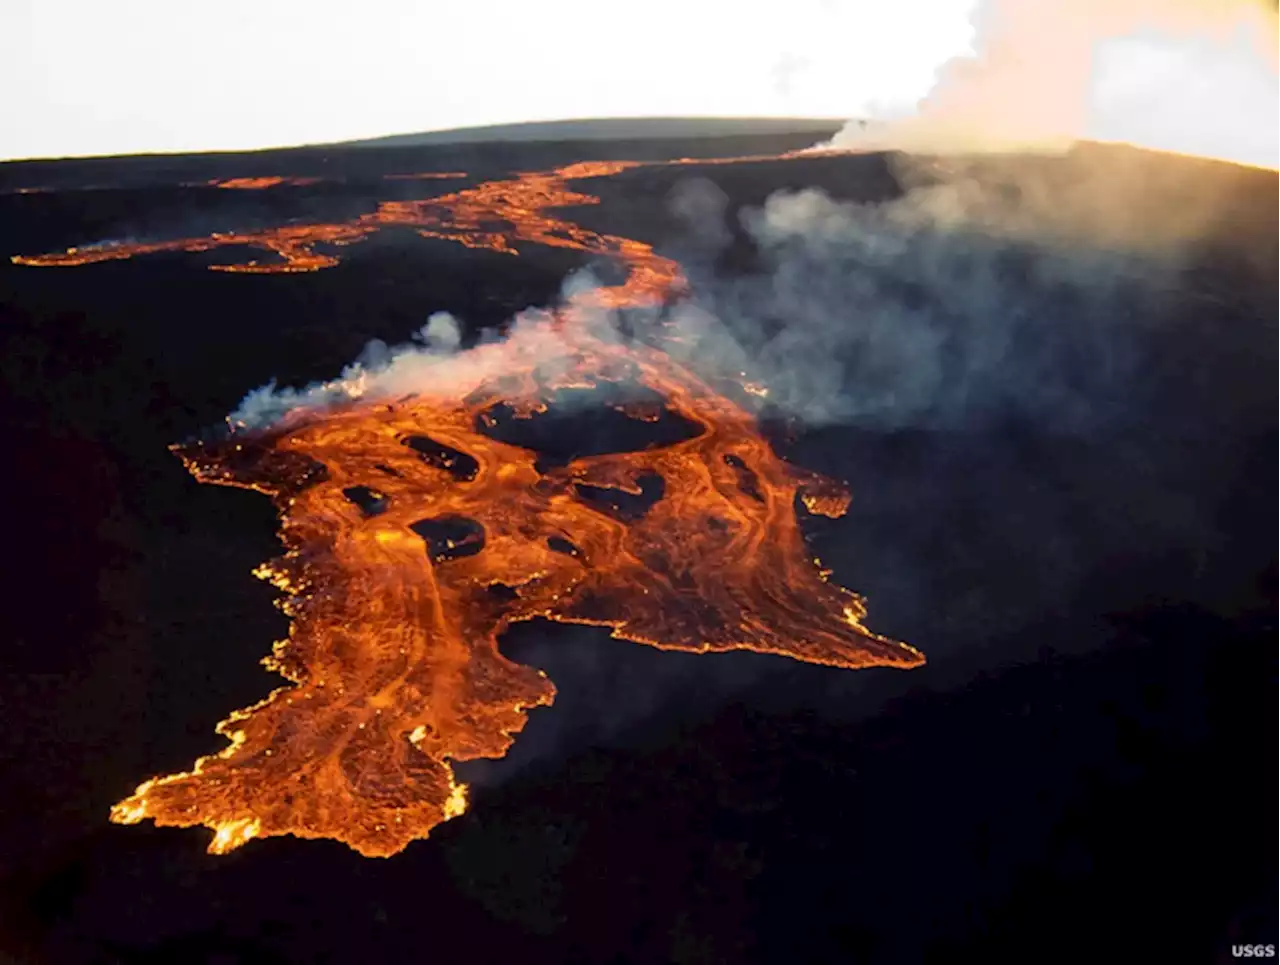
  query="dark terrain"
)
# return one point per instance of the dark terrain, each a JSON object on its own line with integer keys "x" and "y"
{"x": 1084, "y": 770}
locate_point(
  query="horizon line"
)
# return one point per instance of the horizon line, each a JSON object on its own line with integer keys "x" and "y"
{"x": 780, "y": 122}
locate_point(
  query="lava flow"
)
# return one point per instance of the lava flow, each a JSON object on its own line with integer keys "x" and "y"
{"x": 414, "y": 537}
{"x": 494, "y": 215}
{"x": 258, "y": 184}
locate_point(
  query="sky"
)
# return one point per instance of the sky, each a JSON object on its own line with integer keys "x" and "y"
{"x": 88, "y": 77}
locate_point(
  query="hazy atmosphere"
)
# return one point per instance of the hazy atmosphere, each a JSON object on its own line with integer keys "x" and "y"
{"x": 146, "y": 75}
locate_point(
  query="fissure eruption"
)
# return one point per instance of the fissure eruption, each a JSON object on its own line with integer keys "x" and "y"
{"x": 414, "y": 535}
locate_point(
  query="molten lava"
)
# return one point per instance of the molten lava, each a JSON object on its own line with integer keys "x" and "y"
{"x": 414, "y": 537}
{"x": 257, "y": 184}
{"x": 494, "y": 215}
{"x": 426, "y": 176}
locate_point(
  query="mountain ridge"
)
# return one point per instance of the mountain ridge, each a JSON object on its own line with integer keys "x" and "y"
{"x": 604, "y": 128}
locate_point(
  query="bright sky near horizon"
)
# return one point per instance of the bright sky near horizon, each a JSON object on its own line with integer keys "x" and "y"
{"x": 87, "y": 77}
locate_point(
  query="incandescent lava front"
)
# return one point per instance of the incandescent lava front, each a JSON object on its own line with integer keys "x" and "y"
{"x": 414, "y": 536}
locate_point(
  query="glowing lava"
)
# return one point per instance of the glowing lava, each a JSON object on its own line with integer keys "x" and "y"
{"x": 496, "y": 215}
{"x": 414, "y": 537}
{"x": 257, "y": 184}
{"x": 426, "y": 176}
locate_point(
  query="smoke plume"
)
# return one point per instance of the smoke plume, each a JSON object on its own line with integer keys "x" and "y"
{"x": 1190, "y": 76}
{"x": 960, "y": 295}
{"x": 990, "y": 287}
{"x": 429, "y": 364}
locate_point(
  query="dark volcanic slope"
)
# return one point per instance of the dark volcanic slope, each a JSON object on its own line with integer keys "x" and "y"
{"x": 615, "y": 129}
{"x": 1083, "y": 768}
{"x": 343, "y": 163}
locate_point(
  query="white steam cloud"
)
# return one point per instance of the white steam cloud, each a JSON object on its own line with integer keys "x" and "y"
{"x": 1190, "y": 76}
{"x": 380, "y": 371}
{"x": 432, "y": 364}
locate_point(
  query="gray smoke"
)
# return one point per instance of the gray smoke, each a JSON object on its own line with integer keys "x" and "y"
{"x": 977, "y": 292}
{"x": 991, "y": 284}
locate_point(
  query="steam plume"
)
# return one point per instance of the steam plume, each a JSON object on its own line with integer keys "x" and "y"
{"x": 989, "y": 286}
{"x": 1188, "y": 76}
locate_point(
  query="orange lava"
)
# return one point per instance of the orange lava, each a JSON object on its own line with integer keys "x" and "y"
{"x": 497, "y": 215}
{"x": 494, "y": 215}
{"x": 257, "y": 184}
{"x": 398, "y": 599}
{"x": 426, "y": 176}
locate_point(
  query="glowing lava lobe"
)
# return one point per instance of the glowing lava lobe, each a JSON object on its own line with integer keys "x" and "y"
{"x": 414, "y": 538}
{"x": 407, "y": 559}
